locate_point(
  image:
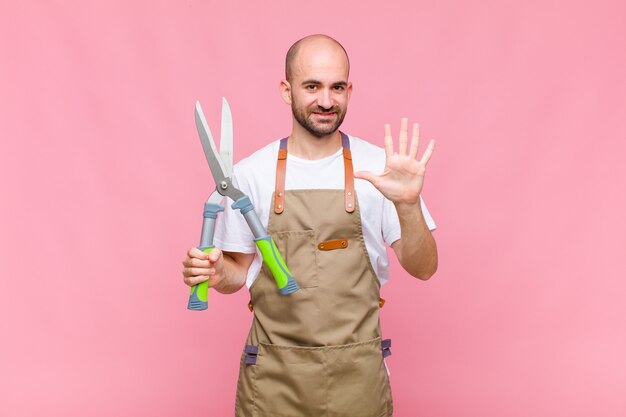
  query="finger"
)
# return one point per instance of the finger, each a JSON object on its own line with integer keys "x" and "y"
{"x": 428, "y": 153}
{"x": 195, "y": 280}
{"x": 402, "y": 140}
{"x": 195, "y": 262}
{"x": 415, "y": 141}
{"x": 193, "y": 271}
{"x": 388, "y": 141}
{"x": 197, "y": 253}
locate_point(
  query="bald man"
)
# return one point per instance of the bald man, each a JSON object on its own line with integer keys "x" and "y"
{"x": 319, "y": 351}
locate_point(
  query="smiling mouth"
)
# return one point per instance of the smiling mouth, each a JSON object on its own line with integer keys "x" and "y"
{"x": 328, "y": 114}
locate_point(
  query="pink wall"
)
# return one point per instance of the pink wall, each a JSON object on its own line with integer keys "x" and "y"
{"x": 102, "y": 181}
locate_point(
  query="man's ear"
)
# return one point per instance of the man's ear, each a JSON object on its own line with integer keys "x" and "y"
{"x": 285, "y": 91}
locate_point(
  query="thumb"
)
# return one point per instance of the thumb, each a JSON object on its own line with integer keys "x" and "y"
{"x": 365, "y": 175}
{"x": 215, "y": 255}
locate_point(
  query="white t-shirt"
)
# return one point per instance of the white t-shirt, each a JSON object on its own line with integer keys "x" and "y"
{"x": 255, "y": 176}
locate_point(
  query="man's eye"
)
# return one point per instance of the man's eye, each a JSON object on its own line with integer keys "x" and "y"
{"x": 311, "y": 87}
{"x": 339, "y": 87}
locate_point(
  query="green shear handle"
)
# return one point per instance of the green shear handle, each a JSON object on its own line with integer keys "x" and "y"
{"x": 267, "y": 247}
{"x": 200, "y": 292}
{"x": 276, "y": 264}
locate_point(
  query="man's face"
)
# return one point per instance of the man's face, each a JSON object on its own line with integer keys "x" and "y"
{"x": 320, "y": 91}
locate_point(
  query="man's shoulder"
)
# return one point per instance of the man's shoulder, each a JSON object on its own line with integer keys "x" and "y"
{"x": 366, "y": 154}
{"x": 261, "y": 159}
{"x": 356, "y": 143}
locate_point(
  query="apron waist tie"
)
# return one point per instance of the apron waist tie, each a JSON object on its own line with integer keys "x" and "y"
{"x": 386, "y": 347}
{"x": 251, "y": 354}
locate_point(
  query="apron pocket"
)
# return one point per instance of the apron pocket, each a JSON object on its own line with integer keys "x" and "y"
{"x": 359, "y": 384}
{"x": 331, "y": 381}
{"x": 289, "y": 382}
{"x": 299, "y": 251}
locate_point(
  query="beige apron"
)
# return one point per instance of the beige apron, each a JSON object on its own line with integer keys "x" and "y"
{"x": 316, "y": 352}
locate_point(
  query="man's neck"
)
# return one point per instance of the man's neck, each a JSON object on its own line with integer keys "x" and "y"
{"x": 306, "y": 146}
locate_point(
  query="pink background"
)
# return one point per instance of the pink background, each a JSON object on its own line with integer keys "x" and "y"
{"x": 102, "y": 181}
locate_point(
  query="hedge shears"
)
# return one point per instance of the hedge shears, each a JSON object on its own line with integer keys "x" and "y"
{"x": 221, "y": 165}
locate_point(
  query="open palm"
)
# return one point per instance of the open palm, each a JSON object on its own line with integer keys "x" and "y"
{"x": 403, "y": 177}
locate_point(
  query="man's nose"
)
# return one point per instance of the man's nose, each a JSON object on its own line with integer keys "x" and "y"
{"x": 324, "y": 99}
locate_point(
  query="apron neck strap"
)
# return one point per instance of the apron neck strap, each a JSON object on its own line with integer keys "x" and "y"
{"x": 281, "y": 169}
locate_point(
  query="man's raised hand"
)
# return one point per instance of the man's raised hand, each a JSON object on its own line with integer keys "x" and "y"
{"x": 403, "y": 177}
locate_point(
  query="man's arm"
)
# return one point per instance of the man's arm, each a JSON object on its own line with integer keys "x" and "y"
{"x": 226, "y": 271}
{"x": 416, "y": 249}
{"x": 401, "y": 182}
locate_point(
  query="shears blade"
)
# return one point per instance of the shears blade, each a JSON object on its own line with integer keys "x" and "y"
{"x": 210, "y": 150}
{"x": 215, "y": 198}
{"x": 226, "y": 138}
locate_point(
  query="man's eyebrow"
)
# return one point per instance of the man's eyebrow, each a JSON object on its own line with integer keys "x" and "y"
{"x": 316, "y": 82}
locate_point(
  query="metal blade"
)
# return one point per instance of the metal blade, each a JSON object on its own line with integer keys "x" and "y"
{"x": 210, "y": 150}
{"x": 215, "y": 198}
{"x": 226, "y": 138}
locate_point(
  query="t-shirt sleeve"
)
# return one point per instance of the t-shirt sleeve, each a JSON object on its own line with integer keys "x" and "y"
{"x": 391, "y": 223}
{"x": 232, "y": 233}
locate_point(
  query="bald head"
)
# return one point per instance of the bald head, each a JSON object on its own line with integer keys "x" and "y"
{"x": 312, "y": 44}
